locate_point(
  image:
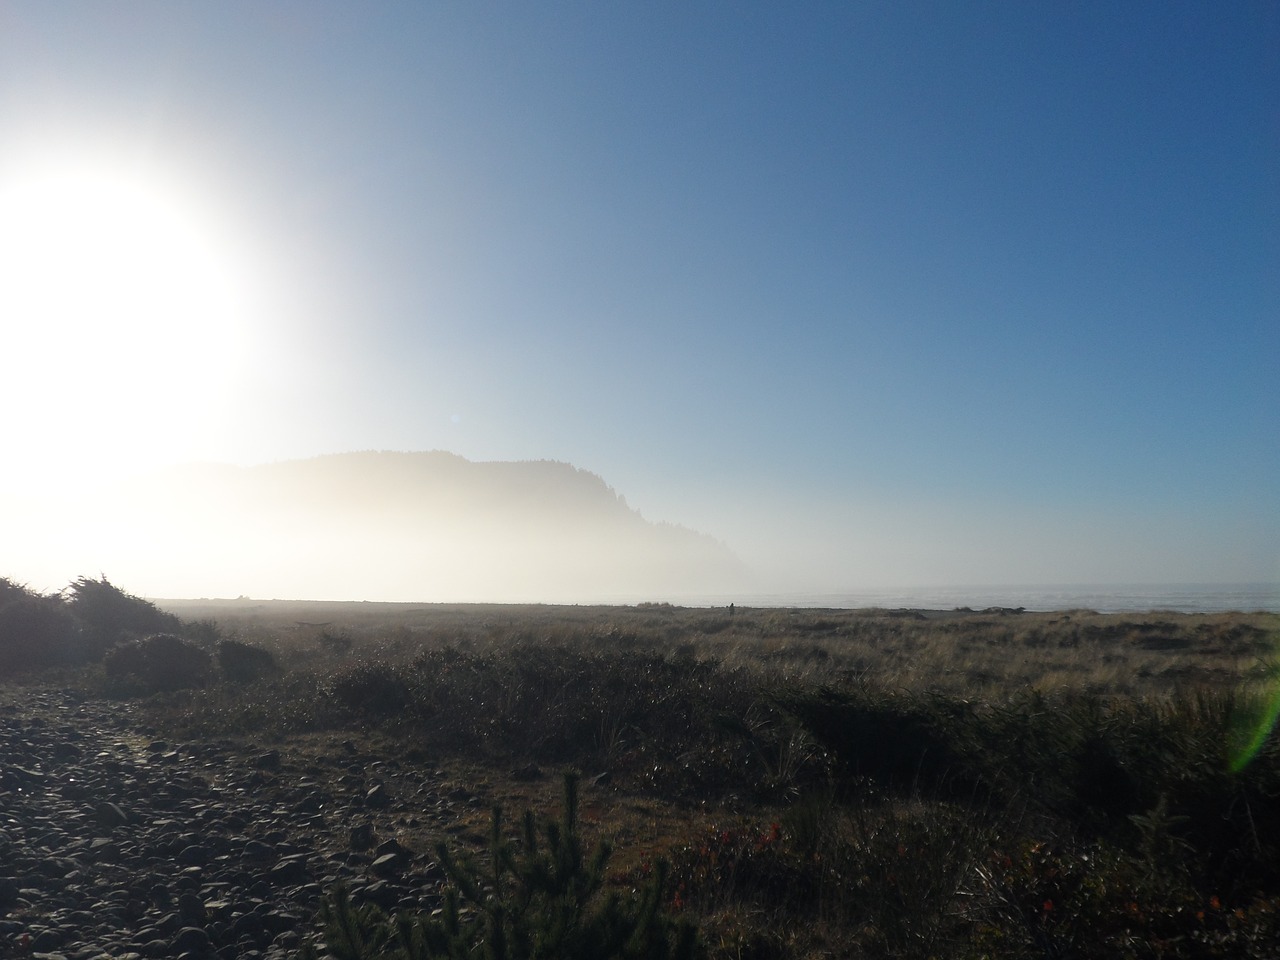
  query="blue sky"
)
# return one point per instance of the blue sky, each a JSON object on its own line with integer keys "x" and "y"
{"x": 881, "y": 294}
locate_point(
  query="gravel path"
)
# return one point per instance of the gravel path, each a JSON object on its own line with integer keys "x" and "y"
{"x": 113, "y": 845}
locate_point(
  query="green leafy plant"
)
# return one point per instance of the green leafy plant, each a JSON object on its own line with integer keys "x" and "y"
{"x": 540, "y": 899}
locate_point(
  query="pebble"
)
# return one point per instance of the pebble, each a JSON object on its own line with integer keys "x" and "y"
{"x": 114, "y": 844}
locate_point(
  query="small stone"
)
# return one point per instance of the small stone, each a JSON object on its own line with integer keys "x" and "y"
{"x": 190, "y": 940}
{"x": 46, "y": 940}
{"x": 247, "y": 925}
{"x": 361, "y": 837}
{"x": 381, "y": 893}
{"x": 111, "y": 816}
{"x": 391, "y": 846}
{"x": 377, "y": 797}
{"x": 387, "y": 865}
{"x": 191, "y": 909}
{"x": 290, "y": 871}
{"x": 193, "y": 855}
{"x": 257, "y": 850}
{"x": 75, "y": 790}
{"x": 287, "y": 940}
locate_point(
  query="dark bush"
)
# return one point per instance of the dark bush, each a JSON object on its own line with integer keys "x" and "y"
{"x": 10, "y": 591}
{"x": 205, "y": 632}
{"x": 626, "y": 710}
{"x": 244, "y": 662}
{"x": 369, "y": 689}
{"x": 159, "y": 662}
{"x": 36, "y": 631}
{"x": 109, "y": 615}
{"x": 892, "y": 740}
{"x": 336, "y": 643}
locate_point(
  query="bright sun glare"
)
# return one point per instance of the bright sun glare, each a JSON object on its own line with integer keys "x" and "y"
{"x": 122, "y": 313}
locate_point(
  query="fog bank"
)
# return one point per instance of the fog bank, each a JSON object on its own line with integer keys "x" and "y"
{"x": 370, "y": 526}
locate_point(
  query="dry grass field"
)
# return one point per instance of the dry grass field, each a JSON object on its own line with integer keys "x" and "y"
{"x": 836, "y": 782}
{"x": 963, "y": 652}
{"x": 821, "y": 783}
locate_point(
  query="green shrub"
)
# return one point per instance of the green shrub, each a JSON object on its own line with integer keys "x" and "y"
{"x": 558, "y": 704}
{"x": 241, "y": 662}
{"x": 205, "y": 632}
{"x": 157, "y": 663}
{"x": 369, "y": 689}
{"x": 538, "y": 900}
{"x": 892, "y": 740}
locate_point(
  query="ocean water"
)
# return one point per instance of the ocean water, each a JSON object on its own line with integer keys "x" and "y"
{"x": 1124, "y": 598}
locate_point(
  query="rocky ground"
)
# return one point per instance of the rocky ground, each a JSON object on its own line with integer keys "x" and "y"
{"x": 116, "y": 844}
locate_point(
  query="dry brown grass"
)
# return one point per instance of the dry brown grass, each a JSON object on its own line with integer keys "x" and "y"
{"x": 964, "y": 653}
{"x": 936, "y": 777}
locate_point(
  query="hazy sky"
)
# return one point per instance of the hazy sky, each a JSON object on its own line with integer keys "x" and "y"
{"x": 881, "y": 293}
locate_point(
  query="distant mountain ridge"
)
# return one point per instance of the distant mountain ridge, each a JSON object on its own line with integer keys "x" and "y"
{"x": 421, "y": 526}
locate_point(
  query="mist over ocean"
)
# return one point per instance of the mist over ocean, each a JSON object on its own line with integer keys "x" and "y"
{"x": 1122, "y": 598}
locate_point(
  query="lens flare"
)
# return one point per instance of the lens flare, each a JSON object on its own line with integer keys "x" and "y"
{"x": 1258, "y": 721}
{"x": 1257, "y": 731}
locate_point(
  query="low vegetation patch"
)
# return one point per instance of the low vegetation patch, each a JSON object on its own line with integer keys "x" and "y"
{"x": 161, "y": 662}
{"x": 537, "y": 896}
{"x": 950, "y": 784}
{"x": 74, "y": 627}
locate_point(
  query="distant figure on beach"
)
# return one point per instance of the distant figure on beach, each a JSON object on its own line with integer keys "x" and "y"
{"x": 731, "y": 609}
